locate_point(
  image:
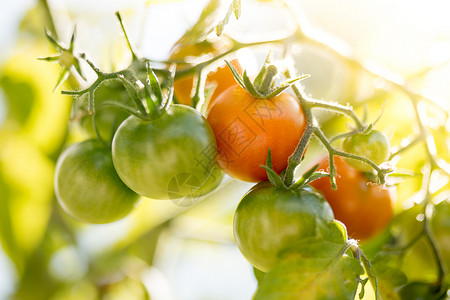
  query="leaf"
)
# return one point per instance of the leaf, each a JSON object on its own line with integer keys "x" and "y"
{"x": 235, "y": 8}
{"x": 318, "y": 270}
{"x": 389, "y": 277}
{"x": 204, "y": 24}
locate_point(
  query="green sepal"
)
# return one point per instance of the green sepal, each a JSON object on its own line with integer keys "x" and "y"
{"x": 63, "y": 75}
{"x": 236, "y": 75}
{"x": 273, "y": 177}
{"x": 154, "y": 85}
{"x": 285, "y": 85}
{"x": 308, "y": 177}
{"x": 52, "y": 40}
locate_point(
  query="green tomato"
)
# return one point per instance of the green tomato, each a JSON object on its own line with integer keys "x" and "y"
{"x": 373, "y": 145}
{"x": 108, "y": 118}
{"x": 170, "y": 157}
{"x": 87, "y": 186}
{"x": 269, "y": 220}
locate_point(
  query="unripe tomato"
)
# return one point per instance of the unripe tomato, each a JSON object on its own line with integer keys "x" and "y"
{"x": 269, "y": 220}
{"x": 87, "y": 186}
{"x": 246, "y": 127}
{"x": 373, "y": 145}
{"x": 170, "y": 157}
{"x": 364, "y": 207}
{"x": 221, "y": 78}
{"x": 108, "y": 118}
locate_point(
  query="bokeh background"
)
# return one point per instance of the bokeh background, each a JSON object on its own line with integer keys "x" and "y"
{"x": 163, "y": 251}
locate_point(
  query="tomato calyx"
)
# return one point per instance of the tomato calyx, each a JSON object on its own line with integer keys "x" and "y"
{"x": 308, "y": 177}
{"x": 66, "y": 57}
{"x": 263, "y": 87}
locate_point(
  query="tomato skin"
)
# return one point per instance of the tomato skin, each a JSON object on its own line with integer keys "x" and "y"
{"x": 365, "y": 208}
{"x": 221, "y": 78}
{"x": 373, "y": 145}
{"x": 269, "y": 220}
{"x": 246, "y": 127}
{"x": 151, "y": 157}
{"x": 87, "y": 186}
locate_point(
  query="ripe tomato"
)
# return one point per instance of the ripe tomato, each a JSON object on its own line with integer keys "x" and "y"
{"x": 170, "y": 157}
{"x": 373, "y": 145}
{"x": 363, "y": 207}
{"x": 87, "y": 186}
{"x": 246, "y": 127}
{"x": 269, "y": 220}
{"x": 222, "y": 78}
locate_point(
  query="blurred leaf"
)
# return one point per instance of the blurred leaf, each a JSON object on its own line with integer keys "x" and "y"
{"x": 318, "y": 270}
{"x": 389, "y": 278}
{"x": 235, "y": 7}
{"x": 204, "y": 26}
{"x": 32, "y": 107}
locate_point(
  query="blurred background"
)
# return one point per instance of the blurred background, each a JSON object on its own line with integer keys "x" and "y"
{"x": 163, "y": 251}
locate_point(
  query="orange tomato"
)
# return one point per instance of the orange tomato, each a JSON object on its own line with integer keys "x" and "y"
{"x": 221, "y": 78}
{"x": 246, "y": 127}
{"x": 365, "y": 208}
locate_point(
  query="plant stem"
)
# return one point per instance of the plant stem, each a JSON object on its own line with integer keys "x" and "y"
{"x": 345, "y": 110}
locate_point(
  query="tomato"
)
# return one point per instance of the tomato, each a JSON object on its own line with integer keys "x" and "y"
{"x": 221, "y": 78}
{"x": 87, "y": 186}
{"x": 269, "y": 220}
{"x": 246, "y": 127}
{"x": 373, "y": 145}
{"x": 108, "y": 118}
{"x": 365, "y": 208}
{"x": 170, "y": 157}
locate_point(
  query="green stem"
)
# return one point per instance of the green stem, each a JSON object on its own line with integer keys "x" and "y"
{"x": 406, "y": 147}
{"x": 345, "y": 110}
{"x": 333, "y": 151}
{"x": 295, "y": 158}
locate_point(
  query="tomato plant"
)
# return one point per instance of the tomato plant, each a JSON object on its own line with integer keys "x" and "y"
{"x": 269, "y": 220}
{"x": 220, "y": 79}
{"x": 246, "y": 127}
{"x": 88, "y": 187}
{"x": 373, "y": 145}
{"x": 258, "y": 131}
{"x": 169, "y": 157}
{"x": 364, "y": 207}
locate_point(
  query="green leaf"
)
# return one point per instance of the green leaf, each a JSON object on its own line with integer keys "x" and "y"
{"x": 235, "y": 8}
{"x": 389, "y": 277}
{"x": 204, "y": 24}
{"x": 318, "y": 270}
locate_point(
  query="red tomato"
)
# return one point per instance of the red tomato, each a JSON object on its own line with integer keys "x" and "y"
{"x": 246, "y": 127}
{"x": 364, "y": 207}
